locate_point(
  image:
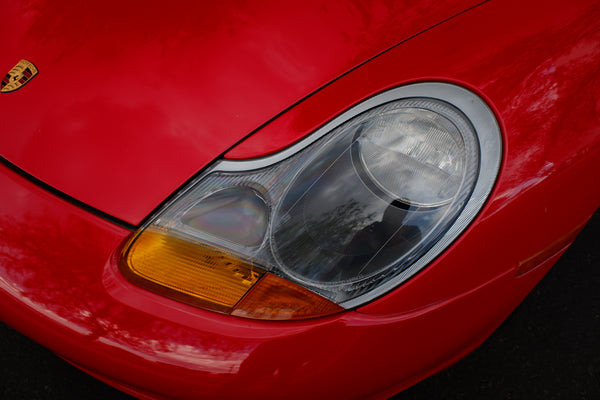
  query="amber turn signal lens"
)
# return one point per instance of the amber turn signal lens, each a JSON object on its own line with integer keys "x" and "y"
{"x": 553, "y": 248}
{"x": 275, "y": 298}
{"x": 189, "y": 272}
{"x": 209, "y": 278}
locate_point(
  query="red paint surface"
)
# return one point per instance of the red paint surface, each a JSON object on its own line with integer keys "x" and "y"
{"x": 133, "y": 99}
{"x": 537, "y": 67}
{"x": 60, "y": 286}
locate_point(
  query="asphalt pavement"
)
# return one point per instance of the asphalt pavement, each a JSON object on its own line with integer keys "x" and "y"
{"x": 549, "y": 348}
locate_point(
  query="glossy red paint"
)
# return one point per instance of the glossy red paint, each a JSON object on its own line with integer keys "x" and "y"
{"x": 532, "y": 72}
{"x": 66, "y": 293}
{"x": 59, "y": 283}
{"x": 133, "y": 99}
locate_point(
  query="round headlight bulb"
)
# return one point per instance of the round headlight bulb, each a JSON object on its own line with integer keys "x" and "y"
{"x": 415, "y": 156}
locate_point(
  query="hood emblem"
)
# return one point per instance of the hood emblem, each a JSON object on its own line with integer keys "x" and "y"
{"x": 21, "y": 73}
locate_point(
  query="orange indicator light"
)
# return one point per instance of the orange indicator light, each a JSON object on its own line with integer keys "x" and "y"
{"x": 538, "y": 258}
{"x": 275, "y": 298}
{"x": 189, "y": 272}
{"x": 209, "y": 278}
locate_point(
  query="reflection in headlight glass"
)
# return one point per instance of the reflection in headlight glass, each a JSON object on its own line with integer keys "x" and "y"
{"x": 352, "y": 210}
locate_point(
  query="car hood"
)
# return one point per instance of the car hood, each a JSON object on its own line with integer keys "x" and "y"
{"x": 132, "y": 99}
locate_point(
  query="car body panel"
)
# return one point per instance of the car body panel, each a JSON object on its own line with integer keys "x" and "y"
{"x": 541, "y": 81}
{"x": 68, "y": 295}
{"x": 60, "y": 284}
{"x": 153, "y": 94}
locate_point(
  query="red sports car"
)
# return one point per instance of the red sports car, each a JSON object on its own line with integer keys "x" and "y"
{"x": 275, "y": 200}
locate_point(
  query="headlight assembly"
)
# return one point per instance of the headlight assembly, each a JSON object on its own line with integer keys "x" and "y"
{"x": 332, "y": 222}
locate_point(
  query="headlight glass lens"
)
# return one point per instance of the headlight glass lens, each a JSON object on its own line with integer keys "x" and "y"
{"x": 375, "y": 196}
{"x": 352, "y": 211}
{"x": 430, "y": 154}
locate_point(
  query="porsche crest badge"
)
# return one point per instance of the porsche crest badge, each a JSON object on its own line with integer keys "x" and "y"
{"x": 21, "y": 73}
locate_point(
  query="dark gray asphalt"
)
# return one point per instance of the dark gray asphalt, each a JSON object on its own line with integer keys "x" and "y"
{"x": 549, "y": 348}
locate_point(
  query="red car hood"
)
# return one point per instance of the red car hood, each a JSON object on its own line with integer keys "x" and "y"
{"x": 132, "y": 99}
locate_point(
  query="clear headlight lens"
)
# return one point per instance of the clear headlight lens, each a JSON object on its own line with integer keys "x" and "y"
{"x": 343, "y": 216}
{"x": 430, "y": 154}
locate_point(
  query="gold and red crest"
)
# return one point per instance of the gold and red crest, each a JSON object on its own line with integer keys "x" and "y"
{"x": 21, "y": 73}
